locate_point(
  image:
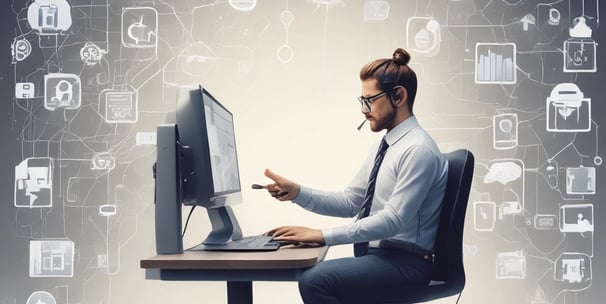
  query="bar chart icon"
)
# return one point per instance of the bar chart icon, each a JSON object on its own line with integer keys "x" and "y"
{"x": 495, "y": 63}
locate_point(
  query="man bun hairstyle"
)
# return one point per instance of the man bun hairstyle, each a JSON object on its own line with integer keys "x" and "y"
{"x": 391, "y": 73}
{"x": 401, "y": 56}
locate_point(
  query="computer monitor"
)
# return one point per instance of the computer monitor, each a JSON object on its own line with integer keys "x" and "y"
{"x": 210, "y": 176}
{"x": 197, "y": 165}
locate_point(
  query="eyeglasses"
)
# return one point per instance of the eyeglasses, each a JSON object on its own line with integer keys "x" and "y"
{"x": 366, "y": 102}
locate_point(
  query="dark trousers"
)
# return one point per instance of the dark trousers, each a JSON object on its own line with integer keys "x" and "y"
{"x": 373, "y": 278}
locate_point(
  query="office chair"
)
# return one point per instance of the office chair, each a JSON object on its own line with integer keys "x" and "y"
{"x": 448, "y": 275}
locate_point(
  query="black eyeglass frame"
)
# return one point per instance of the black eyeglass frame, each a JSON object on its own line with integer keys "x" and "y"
{"x": 368, "y": 101}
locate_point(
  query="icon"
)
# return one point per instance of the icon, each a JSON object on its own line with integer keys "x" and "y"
{"x": 20, "y": 49}
{"x": 423, "y": 35}
{"x": 91, "y": 54}
{"x": 285, "y": 53}
{"x": 509, "y": 173}
{"x": 549, "y": 170}
{"x": 25, "y": 90}
{"x": 103, "y": 161}
{"x": 528, "y": 19}
{"x": 510, "y": 208}
{"x": 580, "y": 55}
{"x": 139, "y": 27}
{"x": 376, "y": 10}
{"x": 145, "y": 138}
{"x": 545, "y": 222}
{"x": 108, "y": 210}
{"x": 243, "y": 5}
{"x": 576, "y": 218}
{"x": 51, "y": 258}
{"x": 573, "y": 267}
{"x": 34, "y": 183}
{"x": 61, "y": 91}
{"x": 505, "y": 131}
{"x": 503, "y": 172}
{"x": 579, "y": 28}
{"x": 568, "y": 110}
{"x": 511, "y": 265}
{"x": 120, "y": 106}
{"x": 495, "y": 63}
{"x": 49, "y": 16}
{"x": 580, "y": 180}
{"x": 485, "y": 216}
{"x": 554, "y": 17}
{"x": 41, "y": 297}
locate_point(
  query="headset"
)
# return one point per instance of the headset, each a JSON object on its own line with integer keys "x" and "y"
{"x": 387, "y": 83}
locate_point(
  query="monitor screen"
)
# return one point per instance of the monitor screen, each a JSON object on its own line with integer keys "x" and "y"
{"x": 209, "y": 162}
{"x": 222, "y": 146}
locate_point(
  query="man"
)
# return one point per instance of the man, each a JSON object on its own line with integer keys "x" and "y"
{"x": 396, "y": 196}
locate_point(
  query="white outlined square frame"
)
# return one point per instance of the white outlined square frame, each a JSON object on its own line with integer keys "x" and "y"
{"x": 492, "y": 65}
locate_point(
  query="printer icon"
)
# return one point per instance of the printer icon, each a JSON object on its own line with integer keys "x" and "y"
{"x": 568, "y": 110}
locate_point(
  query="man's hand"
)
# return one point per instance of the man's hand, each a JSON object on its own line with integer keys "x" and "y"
{"x": 297, "y": 234}
{"x": 282, "y": 189}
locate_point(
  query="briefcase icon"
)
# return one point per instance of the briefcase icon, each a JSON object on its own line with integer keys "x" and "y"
{"x": 568, "y": 110}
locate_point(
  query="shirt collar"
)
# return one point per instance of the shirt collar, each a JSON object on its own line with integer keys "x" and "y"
{"x": 400, "y": 130}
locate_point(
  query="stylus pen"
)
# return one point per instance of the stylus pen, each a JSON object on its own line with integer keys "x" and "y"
{"x": 257, "y": 186}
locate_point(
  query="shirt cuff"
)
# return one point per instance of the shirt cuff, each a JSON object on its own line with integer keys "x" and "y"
{"x": 304, "y": 197}
{"x": 335, "y": 236}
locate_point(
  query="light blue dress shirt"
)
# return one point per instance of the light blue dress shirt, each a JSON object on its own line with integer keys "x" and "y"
{"x": 409, "y": 191}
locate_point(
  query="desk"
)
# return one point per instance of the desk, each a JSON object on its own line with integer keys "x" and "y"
{"x": 239, "y": 269}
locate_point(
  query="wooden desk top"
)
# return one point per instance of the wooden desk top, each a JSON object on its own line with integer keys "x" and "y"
{"x": 287, "y": 257}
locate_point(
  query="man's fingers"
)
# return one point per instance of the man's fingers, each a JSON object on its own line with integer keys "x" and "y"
{"x": 275, "y": 177}
{"x": 284, "y": 231}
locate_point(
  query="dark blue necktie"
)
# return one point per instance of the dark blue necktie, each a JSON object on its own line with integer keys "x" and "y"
{"x": 361, "y": 249}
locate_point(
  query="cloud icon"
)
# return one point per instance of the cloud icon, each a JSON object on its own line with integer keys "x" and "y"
{"x": 503, "y": 172}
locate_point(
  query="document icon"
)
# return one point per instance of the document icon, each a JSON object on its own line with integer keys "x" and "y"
{"x": 120, "y": 106}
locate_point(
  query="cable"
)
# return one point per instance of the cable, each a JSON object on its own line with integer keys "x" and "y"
{"x": 187, "y": 221}
{"x": 459, "y": 297}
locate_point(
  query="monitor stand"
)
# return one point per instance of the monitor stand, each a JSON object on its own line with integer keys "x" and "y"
{"x": 225, "y": 227}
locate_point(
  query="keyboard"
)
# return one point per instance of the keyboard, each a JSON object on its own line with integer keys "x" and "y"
{"x": 250, "y": 243}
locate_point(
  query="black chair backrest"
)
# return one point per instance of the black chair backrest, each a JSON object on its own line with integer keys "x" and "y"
{"x": 448, "y": 263}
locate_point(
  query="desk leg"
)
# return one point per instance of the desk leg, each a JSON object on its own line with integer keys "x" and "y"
{"x": 239, "y": 292}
